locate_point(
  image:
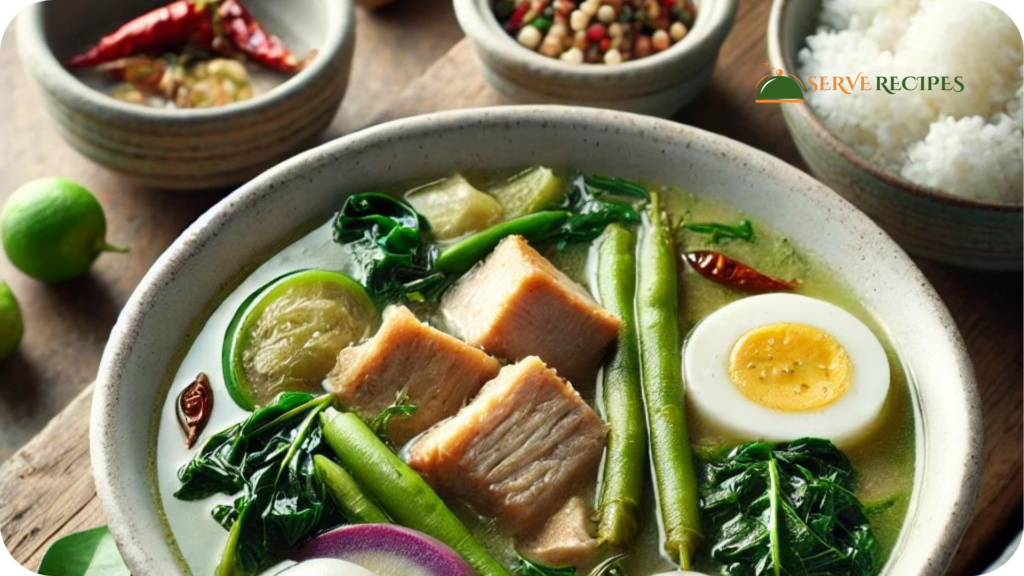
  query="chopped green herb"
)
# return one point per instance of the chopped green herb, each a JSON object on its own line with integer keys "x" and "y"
{"x": 718, "y": 231}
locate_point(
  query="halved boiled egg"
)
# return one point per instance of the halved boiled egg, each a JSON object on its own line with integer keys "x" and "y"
{"x": 778, "y": 367}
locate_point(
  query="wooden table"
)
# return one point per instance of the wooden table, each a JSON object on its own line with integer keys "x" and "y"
{"x": 409, "y": 60}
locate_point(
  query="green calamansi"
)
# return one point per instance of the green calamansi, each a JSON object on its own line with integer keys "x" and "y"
{"x": 11, "y": 327}
{"x": 53, "y": 229}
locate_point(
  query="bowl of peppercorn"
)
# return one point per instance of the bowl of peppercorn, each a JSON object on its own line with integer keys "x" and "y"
{"x": 646, "y": 56}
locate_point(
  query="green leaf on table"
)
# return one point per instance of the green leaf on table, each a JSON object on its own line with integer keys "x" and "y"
{"x": 88, "y": 553}
{"x": 789, "y": 508}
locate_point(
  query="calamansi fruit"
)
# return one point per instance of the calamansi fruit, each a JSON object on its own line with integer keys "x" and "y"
{"x": 11, "y": 327}
{"x": 53, "y": 229}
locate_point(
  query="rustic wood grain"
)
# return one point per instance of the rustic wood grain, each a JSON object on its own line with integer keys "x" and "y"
{"x": 45, "y": 490}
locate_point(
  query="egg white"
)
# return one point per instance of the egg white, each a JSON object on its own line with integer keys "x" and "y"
{"x": 722, "y": 405}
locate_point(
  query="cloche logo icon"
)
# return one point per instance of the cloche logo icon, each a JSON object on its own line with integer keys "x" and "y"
{"x": 781, "y": 88}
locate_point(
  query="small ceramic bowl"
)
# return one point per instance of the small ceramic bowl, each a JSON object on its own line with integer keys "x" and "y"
{"x": 659, "y": 84}
{"x": 209, "y": 259}
{"x": 925, "y": 221}
{"x": 187, "y": 149}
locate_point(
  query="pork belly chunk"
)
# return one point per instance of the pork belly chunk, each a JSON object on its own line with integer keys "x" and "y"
{"x": 440, "y": 373}
{"x": 568, "y": 538}
{"x": 518, "y": 451}
{"x": 517, "y": 304}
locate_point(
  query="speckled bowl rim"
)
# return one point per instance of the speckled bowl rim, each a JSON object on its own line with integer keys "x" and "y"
{"x": 895, "y": 180}
{"x": 339, "y": 19}
{"x": 118, "y": 491}
{"x": 483, "y": 28}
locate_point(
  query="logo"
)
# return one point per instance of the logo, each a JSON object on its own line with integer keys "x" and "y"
{"x": 781, "y": 88}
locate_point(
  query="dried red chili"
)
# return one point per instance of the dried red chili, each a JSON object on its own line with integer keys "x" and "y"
{"x": 221, "y": 25}
{"x": 195, "y": 405}
{"x": 249, "y": 37}
{"x": 719, "y": 268}
{"x": 168, "y": 27}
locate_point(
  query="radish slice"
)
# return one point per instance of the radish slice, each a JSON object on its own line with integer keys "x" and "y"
{"x": 325, "y": 567}
{"x": 387, "y": 550}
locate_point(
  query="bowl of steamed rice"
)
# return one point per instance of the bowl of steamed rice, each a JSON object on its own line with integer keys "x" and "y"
{"x": 941, "y": 169}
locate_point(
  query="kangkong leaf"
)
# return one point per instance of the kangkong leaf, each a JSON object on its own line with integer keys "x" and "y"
{"x": 389, "y": 240}
{"x": 268, "y": 458}
{"x": 89, "y": 553}
{"x": 718, "y": 231}
{"x": 592, "y": 208}
{"x": 787, "y": 509}
{"x": 401, "y": 408}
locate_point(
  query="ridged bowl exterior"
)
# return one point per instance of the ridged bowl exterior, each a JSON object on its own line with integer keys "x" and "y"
{"x": 193, "y": 149}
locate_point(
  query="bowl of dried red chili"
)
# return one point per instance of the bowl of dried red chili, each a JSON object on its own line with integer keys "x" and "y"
{"x": 647, "y": 56}
{"x": 191, "y": 94}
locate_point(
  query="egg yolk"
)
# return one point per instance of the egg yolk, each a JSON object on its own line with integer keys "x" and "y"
{"x": 790, "y": 367}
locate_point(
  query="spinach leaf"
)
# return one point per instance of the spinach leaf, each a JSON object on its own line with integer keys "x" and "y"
{"x": 787, "y": 509}
{"x": 718, "y": 231}
{"x": 88, "y": 553}
{"x": 269, "y": 459}
{"x": 389, "y": 240}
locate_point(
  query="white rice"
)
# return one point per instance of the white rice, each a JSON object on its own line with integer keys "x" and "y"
{"x": 967, "y": 143}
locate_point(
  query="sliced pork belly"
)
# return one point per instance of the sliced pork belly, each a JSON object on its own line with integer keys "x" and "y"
{"x": 440, "y": 373}
{"x": 518, "y": 450}
{"x": 568, "y": 538}
{"x": 517, "y": 304}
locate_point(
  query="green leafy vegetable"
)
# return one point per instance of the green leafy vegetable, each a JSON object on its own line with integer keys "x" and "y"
{"x": 269, "y": 459}
{"x": 787, "y": 509}
{"x": 88, "y": 553}
{"x": 400, "y": 261}
{"x": 527, "y": 567}
{"x": 718, "y": 231}
{"x": 594, "y": 202}
{"x": 402, "y": 408}
{"x": 389, "y": 240}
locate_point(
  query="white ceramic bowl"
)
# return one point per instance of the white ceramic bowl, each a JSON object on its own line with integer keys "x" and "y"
{"x": 926, "y": 221}
{"x": 173, "y": 299}
{"x": 197, "y": 148}
{"x": 659, "y": 84}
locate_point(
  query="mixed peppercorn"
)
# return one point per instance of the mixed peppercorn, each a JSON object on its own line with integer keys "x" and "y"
{"x": 596, "y": 31}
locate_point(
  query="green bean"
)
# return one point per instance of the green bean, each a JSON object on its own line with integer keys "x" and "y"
{"x": 400, "y": 490}
{"x": 657, "y": 309}
{"x": 347, "y": 494}
{"x": 459, "y": 258}
{"x": 622, "y": 398}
